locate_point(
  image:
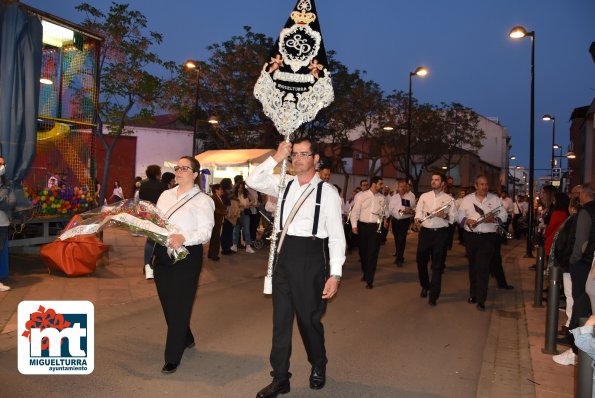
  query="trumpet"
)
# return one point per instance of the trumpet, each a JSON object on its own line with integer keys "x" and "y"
{"x": 438, "y": 210}
{"x": 499, "y": 228}
{"x": 483, "y": 218}
{"x": 502, "y": 232}
{"x": 402, "y": 211}
{"x": 380, "y": 215}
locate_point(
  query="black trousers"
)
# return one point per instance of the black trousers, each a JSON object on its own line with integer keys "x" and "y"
{"x": 481, "y": 251}
{"x": 451, "y": 235}
{"x": 496, "y": 268}
{"x": 227, "y": 236}
{"x": 369, "y": 247}
{"x": 176, "y": 287}
{"x": 431, "y": 246}
{"x": 579, "y": 272}
{"x": 298, "y": 280}
{"x": 400, "y": 228}
{"x": 254, "y": 222}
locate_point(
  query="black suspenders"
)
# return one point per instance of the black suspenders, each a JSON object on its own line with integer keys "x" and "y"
{"x": 316, "y": 210}
{"x": 283, "y": 203}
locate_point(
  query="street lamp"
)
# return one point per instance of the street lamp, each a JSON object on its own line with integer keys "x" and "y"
{"x": 519, "y": 32}
{"x": 193, "y": 65}
{"x": 421, "y": 72}
{"x": 549, "y": 118}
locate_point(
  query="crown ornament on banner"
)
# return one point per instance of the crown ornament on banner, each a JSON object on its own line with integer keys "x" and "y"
{"x": 295, "y": 84}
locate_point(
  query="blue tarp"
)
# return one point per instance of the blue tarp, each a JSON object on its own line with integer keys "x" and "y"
{"x": 20, "y": 70}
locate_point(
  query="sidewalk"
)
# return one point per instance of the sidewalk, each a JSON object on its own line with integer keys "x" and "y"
{"x": 513, "y": 364}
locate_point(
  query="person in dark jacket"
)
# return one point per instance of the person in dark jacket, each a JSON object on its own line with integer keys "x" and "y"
{"x": 227, "y": 230}
{"x": 220, "y": 212}
{"x": 580, "y": 266}
{"x": 150, "y": 190}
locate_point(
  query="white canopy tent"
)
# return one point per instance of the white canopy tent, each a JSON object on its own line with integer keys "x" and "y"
{"x": 228, "y": 163}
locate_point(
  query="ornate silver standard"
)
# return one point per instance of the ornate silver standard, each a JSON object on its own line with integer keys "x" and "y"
{"x": 293, "y": 86}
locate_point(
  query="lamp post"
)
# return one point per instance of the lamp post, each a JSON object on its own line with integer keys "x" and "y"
{"x": 549, "y": 118}
{"x": 519, "y": 32}
{"x": 192, "y": 65}
{"x": 421, "y": 72}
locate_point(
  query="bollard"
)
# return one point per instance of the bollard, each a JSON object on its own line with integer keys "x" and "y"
{"x": 539, "y": 262}
{"x": 551, "y": 320}
{"x": 584, "y": 373}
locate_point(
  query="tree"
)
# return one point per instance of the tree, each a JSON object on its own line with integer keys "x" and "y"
{"x": 461, "y": 132}
{"x": 226, "y": 87}
{"x": 126, "y": 84}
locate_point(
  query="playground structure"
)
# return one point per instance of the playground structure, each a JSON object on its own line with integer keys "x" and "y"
{"x": 61, "y": 179}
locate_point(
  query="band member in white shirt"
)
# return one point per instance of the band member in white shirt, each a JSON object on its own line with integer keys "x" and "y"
{"x": 310, "y": 261}
{"x": 401, "y": 209}
{"x": 367, "y": 217}
{"x": 480, "y": 212}
{"x": 434, "y": 212}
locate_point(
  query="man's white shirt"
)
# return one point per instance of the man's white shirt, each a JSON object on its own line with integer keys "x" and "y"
{"x": 396, "y": 203}
{"x": 330, "y": 223}
{"x": 468, "y": 210}
{"x": 428, "y": 203}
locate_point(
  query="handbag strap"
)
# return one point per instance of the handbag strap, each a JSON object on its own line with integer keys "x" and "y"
{"x": 291, "y": 216}
{"x": 179, "y": 205}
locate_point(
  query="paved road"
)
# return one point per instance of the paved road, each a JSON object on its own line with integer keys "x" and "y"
{"x": 385, "y": 342}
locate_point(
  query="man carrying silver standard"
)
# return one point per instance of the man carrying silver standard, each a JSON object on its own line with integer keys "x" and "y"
{"x": 434, "y": 212}
{"x": 480, "y": 213}
{"x": 310, "y": 260}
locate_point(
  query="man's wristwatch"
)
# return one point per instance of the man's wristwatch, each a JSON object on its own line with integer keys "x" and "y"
{"x": 337, "y": 277}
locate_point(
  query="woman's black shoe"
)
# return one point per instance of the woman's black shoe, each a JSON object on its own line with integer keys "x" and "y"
{"x": 169, "y": 367}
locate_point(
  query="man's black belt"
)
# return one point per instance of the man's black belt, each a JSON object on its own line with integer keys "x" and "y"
{"x": 434, "y": 229}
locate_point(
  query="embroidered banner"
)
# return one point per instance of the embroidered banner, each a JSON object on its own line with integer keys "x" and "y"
{"x": 295, "y": 84}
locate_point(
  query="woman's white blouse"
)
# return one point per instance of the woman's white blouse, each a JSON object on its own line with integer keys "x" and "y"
{"x": 194, "y": 219}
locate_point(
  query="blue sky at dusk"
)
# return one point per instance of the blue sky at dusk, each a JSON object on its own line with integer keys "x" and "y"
{"x": 464, "y": 43}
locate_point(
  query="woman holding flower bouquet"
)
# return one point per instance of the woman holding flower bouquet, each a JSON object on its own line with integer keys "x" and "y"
{"x": 191, "y": 212}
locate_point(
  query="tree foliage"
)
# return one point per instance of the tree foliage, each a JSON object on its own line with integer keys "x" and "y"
{"x": 127, "y": 86}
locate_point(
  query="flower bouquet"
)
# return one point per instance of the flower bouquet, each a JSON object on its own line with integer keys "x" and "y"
{"x": 140, "y": 217}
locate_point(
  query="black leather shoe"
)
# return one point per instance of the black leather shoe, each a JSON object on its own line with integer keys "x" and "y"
{"x": 472, "y": 300}
{"x": 274, "y": 389}
{"x": 317, "y": 377}
{"x": 432, "y": 302}
{"x": 424, "y": 292}
{"x": 169, "y": 367}
{"x": 481, "y": 306}
{"x": 507, "y": 287}
{"x": 369, "y": 286}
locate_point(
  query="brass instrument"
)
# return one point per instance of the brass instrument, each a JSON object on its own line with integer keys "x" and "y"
{"x": 483, "y": 218}
{"x": 499, "y": 228}
{"x": 438, "y": 210}
{"x": 381, "y": 215}
{"x": 402, "y": 211}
